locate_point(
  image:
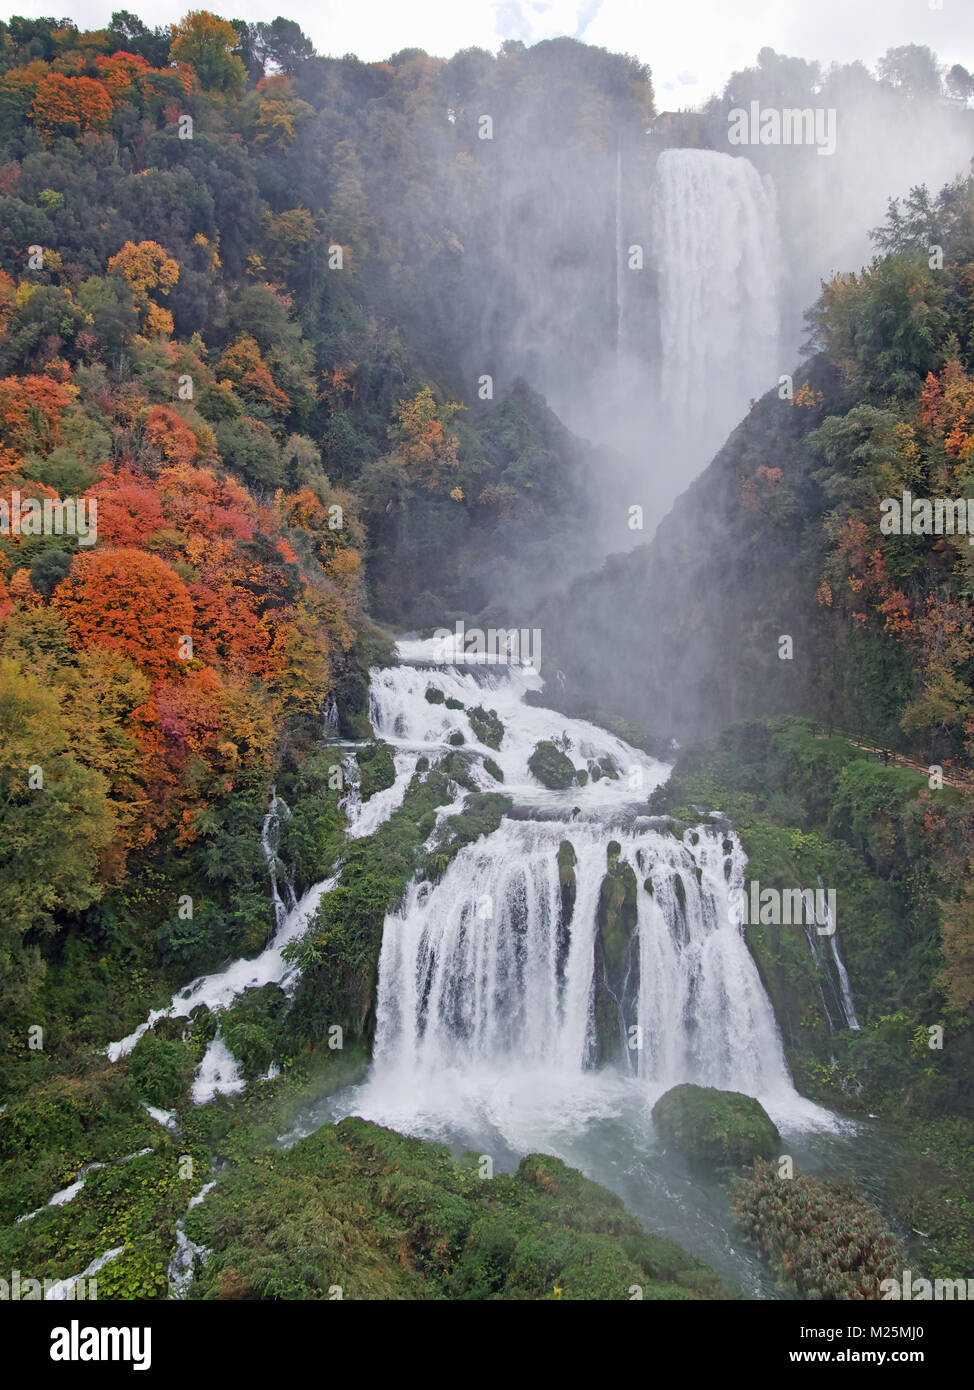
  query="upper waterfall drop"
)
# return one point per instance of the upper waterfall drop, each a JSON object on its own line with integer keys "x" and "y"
{"x": 719, "y": 259}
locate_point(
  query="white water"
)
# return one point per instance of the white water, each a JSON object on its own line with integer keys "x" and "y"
{"x": 182, "y": 1266}
{"x": 620, "y": 260}
{"x": 485, "y": 1012}
{"x": 719, "y": 260}
{"x": 364, "y": 818}
{"x": 402, "y": 715}
{"x": 68, "y": 1288}
{"x": 218, "y": 991}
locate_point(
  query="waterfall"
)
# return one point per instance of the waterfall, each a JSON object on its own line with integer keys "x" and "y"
{"x": 582, "y": 945}
{"x": 269, "y": 840}
{"x": 835, "y": 989}
{"x": 620, "y": 255}
{"x": 486, "y": 966}
{"x": 719, "y": 260}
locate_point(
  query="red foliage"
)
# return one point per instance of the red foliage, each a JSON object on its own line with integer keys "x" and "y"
{"x": 129, "y": 601}
{"x": 168, "y": 433}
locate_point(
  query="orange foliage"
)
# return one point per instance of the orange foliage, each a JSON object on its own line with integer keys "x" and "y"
{"x": 203, "y": 724}
{"x": 243, "y": 365}
{"x": 421, "y": 438}
{"x": 167, "y": 432}
{"x": 198, "y": 502}
{"x": 128, "y": 513}
{"x": 30, "y": 412}
{"x": 129, "y": 601}
{"x": 70, "y": 105}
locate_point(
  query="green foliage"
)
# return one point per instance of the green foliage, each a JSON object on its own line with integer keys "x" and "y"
{"x": 340, "y": 954}
{"x": 377, "y": 768}
{"x": 162, "y": 1069}
{"x": 551, "y": 766}
{"x": 486, "y": 725}
{"x": 386, "y": 1217}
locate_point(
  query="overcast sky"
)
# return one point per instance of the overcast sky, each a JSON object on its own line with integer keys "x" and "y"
{"x": 692, "y": 46}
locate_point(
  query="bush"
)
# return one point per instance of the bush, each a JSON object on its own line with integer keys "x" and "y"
{"x": 824, "y": 1240}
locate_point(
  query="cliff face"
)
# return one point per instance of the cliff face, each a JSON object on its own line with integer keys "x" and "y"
{"x": 682, "y": 635}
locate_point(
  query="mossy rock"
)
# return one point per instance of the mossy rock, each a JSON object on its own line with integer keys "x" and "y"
{"x": 486, "y": 725}
{"x": 492, "y": 767}
{"x": 377, "y": 768}
{"x": 434, "y": 696}
{"x": 723, "y": 1128}
{"x": 551, "y": 766}
{"x": 616, "y": 956}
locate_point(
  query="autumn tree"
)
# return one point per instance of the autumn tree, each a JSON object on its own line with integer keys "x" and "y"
{"x": 147, "y": 269}
{"x": 422, "y": 441}
{"x": 70, "y": 105}
{"x": 31, "y": 410}
{"x": 131, "y": 602}
{"x": 243, "y": 365}
{"x": 206, "y": 43}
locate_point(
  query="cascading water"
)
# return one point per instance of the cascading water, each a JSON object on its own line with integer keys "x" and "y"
{"x": 719, "y": 261}
{"x": 581, "y": 948}
{"x": 620, "y": 260}
{"x": 487, "y": 965}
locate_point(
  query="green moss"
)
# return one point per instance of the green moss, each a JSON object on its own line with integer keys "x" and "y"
{"x": 456, "y": 739}
{"x": 721, "y": 1128}
{"x": 340, "y": 954}
{"x": 567, "y": 881}
{"x": 435, "y": 696}
{"x": 493, "y": 769}
{"x": 454, "y": 704}
{"x": 616, "y": 956}
{"x": 486, "y": 726}
{"x": 551, "y": 766}
{"x": 386, "y": 1217}
{"x": 377, "y": 768}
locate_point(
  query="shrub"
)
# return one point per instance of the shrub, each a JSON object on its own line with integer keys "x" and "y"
{"x": 824, "y": 1240}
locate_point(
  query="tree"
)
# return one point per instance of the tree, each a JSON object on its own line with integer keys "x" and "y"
{"x": 31, "y": 408}
{"x": 43, "y": 790}
{"x": 957, "y": 946}
{"x": 912, "y": 69}
{"x": 421, "y": 439}
{"x": 242, "y": 364}
{"x": 70, "y": 106}
{"x": 131, "y": 602}
{"x": 206, "y": 43}
{"x": 145, "y": 266}
{"x": 128, "y": 32}
{"x": 283, "y": 44}
{"x": 960, "y": 83}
